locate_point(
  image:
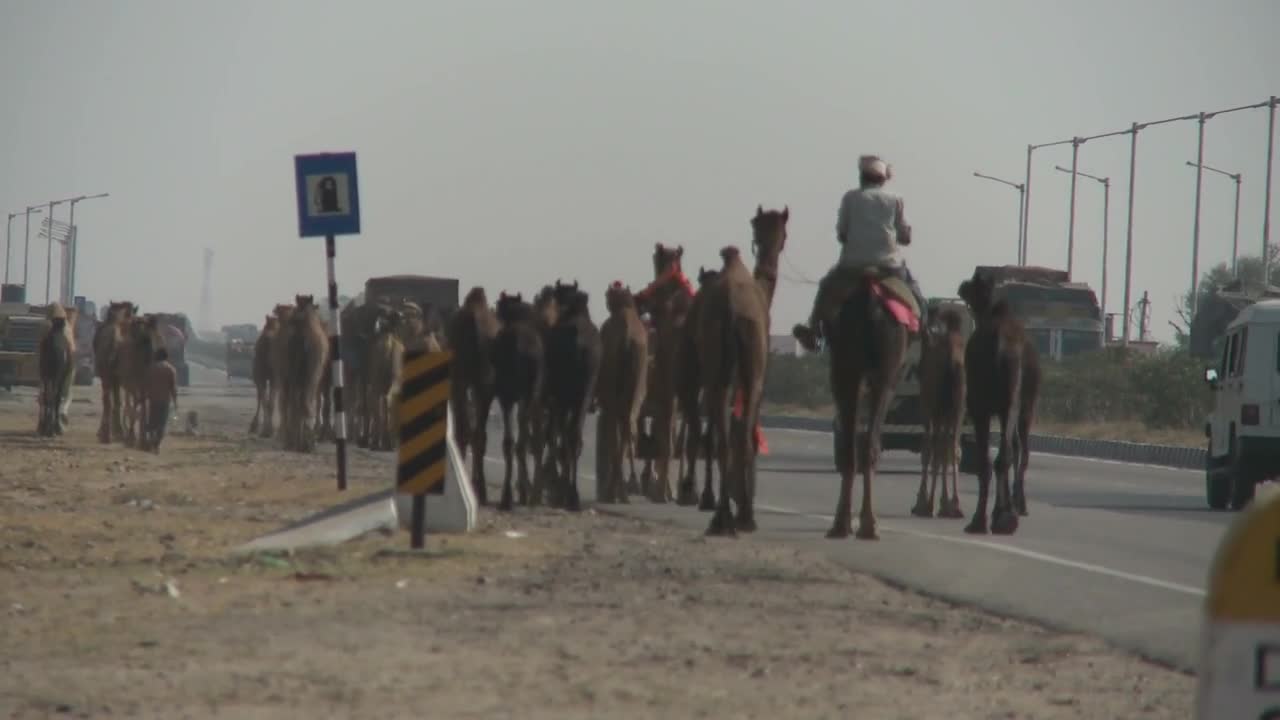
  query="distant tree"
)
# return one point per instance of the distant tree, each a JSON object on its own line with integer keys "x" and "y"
{"x": 1219, "y": 276}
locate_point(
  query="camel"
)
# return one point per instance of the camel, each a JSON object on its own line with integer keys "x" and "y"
{"x": 573, "y": 365}
{"x": 667, "y": 300}
{"x": 868, "y": 341}
{"x": 942, "y": 401}
{"x": 300, "y": 353}
{"x": 276, "y": 355}
{"x": 688, "y": 397}
{"x": 547, "y": 313}
{"x": 470, "y": 335}
{"x": 142, "y": 339}
{"x": 519, "y": 369}
{"x": 733, "y": 347}
{"x": 56, "y": 360}
{"x": 620, "y": 390}
{"x": 70, "y": 316}
{"x": 262, "y": 379}
{"x": 359, "y": 326}
{"x": 384, "y": 363}
{"x": 108, "y": 339}
{"x": 1002, "y": 371}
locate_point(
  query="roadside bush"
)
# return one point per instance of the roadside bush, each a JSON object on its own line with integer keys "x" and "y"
{"x": 1164, "y": 390}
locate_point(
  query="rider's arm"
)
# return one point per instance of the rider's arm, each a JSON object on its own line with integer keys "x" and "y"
{"x": 901, "y": 225}
{"x": 842, "y": 220}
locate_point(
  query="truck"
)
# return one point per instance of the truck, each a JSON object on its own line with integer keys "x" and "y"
{"x": 21, "y": 328}
{"x": 86, "y": 327}
{"x": 174, "y": 330}
{"x": 430, "y": 293}
{"x": 240, "y": 347}
{"x": 1063, "y": 318}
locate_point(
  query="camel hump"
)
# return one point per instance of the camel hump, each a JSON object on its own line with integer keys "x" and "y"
{"x": 729, "y": 253}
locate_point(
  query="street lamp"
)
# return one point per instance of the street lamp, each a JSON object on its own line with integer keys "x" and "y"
{"x": 74, "y": 245}
{"x": 1106, "y": 215}
{"x": 68, "y": 248}
{"x": 1235, "y": 227}
{"x": 1021, "y": 197}
{"x": 8, "y": 236}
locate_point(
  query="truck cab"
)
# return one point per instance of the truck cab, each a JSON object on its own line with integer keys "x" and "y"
{"x": 1243, "y": 430}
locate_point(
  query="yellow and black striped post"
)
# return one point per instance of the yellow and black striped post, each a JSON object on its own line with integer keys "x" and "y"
{"x": 423, "y": 417}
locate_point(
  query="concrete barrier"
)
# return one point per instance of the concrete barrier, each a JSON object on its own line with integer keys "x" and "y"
{"x": 1176, "y": 456}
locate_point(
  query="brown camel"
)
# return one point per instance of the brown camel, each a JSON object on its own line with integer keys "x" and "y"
{"x": 942, "y": 406}
{"x": 733, "y": 348}
{"x": 56, "y": 360}
{"x": 70, "y": 316}
{"x": 620, "y": 391}
{"x": 667, "y": 300}
{"x": 359, "y": 326}
{"x": 470, "y": 333}
{"x": 142, "y": 339}
{"x": 262, "y": 379}
{"x": 519, "y": 362}
{"x": 573, "y": 367}
{"x": 108, "y": 340}
{"x": 385, "y": 361}
{"x": 275, "y": 399}
{"x": 1003, "y": 375}
{"x": 300, "y": 353}
{"x": 869, "y": 336}
{"x": 689, "y": 397}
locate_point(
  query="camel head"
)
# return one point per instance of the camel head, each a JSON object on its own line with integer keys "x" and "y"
{"x": 119, "y": 312}
{"x": 977, "y": 293}
{"x": 618, "y": 298}
{"x": 545, "y": 304}
{"x": 769, "y": 232}
{"x": 283, "y": 312}
{"x": 476, "y": 298}
{"x": 304, "y": 302}
{"x": 565, "y": 294}
{"x": 388, "y": 322}
{"x": 509, "y": 307}
{"x": 270, "y": 323}
{"x": 706, "y": 276}
{"x": 666, "y": 258}
{"x": 950, "y": 320}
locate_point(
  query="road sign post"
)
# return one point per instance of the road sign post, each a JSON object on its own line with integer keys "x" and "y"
{"x": 422, "y": 414}
{"x": 328, "y": 205}
{"x": 1240, "y": 641}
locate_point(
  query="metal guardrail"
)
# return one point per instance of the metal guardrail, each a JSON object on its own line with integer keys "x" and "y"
{"x": 1175, "y": 456}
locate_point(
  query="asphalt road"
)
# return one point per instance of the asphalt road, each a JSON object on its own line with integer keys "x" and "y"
{"x": 1115, "y": 550}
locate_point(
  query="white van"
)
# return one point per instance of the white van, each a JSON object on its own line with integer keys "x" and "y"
{"x": 1244, "y": 427}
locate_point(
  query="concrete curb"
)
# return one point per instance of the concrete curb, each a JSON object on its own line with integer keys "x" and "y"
{"x": 1175, "y": 456}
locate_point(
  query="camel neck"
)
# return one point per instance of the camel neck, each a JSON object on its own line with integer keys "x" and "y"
{"x": 766, "y": 275}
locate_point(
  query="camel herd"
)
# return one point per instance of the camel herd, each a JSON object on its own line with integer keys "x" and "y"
{"x": 696, "y": 369}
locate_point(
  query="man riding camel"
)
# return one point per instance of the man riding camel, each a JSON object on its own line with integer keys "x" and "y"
{"x": 870, "y": 226}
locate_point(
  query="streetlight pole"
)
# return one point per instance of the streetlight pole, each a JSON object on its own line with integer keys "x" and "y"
{"x": 1195, "y": 228}
{"x": 1235, "y": 226}
{"x": 1106, "y": 215}
{"x": 1266, "y": 203}
{"x": 72, "y": 247}
{"x": 8, "y": 240}
{"x": 1071, "y": 217}
{"x": 26, "y": 248}
{"x": 1022, "y": 189}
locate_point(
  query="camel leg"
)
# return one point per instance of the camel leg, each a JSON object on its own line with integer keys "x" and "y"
{"x": 953, "y": 469}
{"x": 104, "y": 425}
{"x": 845, "y": 450}
{"x": 539, "y": 428}
{"x": 604, "y": 461}
{"x": 270, "y": 396}
{"x": 572, "y": 453}
{"x": 719, "y": 418}
{"x": 1004, "y": 521}
{"x": 663, "y": 431}
{"x": 691, "y": 425}
{"x": 627, "y": 438}
{"x": 879, "y": 405}
{"x": 924, "y": 503}
{"x": 982, "y": 439}
{"x": 257, "y": 408}
{"x": 480, "y": 439}
{"x": 508, "y": 449}
{"x": 117, "y": 408}
{"x": 1022, "y": 459}
{"x": 523, "y": 433}
{"x": 707, "y": 502}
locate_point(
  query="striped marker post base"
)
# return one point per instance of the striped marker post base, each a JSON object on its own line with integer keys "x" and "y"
{"x": 422, "y": 414}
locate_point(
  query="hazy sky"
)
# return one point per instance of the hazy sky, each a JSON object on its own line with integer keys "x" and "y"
{"x": 511, "y": 143}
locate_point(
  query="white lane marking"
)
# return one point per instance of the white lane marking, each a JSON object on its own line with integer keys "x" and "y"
{"x": 1014, "y": 550}
{"x": 1078, "y": 458}
{"x": 989, "y": 545}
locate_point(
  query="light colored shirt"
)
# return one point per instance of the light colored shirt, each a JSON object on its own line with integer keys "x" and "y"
{"x": 870, "y": 221}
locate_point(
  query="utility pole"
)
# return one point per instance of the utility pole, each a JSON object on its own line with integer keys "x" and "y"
{"x": 1144, "y": 314}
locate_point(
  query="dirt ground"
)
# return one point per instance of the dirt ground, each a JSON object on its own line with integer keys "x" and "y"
{"x": 119, "y": 598}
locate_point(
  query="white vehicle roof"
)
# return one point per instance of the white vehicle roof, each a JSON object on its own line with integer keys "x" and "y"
{"x": 1261, "y": 312}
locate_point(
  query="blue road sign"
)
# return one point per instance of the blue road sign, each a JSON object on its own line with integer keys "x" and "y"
{"x": 328, "y": 196}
